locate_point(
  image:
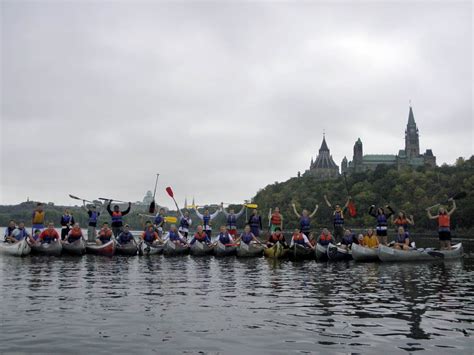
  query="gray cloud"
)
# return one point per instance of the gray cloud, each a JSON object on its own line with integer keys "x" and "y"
{"x": 221, "y": 99}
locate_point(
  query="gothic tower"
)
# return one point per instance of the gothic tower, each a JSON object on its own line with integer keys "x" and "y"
{"x": 412, "y": 142}
{"x": 358, "y": 154}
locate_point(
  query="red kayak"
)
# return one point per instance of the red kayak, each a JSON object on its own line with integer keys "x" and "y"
{"x": 107, "y": 249}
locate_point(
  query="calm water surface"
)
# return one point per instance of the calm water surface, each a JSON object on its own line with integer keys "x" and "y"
{"x": 190, "y": 305}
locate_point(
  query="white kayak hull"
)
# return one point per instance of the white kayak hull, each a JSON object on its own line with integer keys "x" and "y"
{"x": 361, "y": 253}
{"x": 321, "y": 252}
{"x": 390, "y": 254}
{"x": 18, "y": 249}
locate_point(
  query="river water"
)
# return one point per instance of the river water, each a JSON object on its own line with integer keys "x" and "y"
{"x": 206, "y": 305}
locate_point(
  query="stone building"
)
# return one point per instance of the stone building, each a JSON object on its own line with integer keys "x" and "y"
{"x": 324, "y": 166}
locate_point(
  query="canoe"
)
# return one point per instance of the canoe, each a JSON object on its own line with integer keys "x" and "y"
{"x": 360, "y": 253}
{"x": 21, "y": 248}
{"x": 200, "y": 249}
{"x": 249, "y": 250}
{"x": 75, "y": 248}
{"x": 50, "y": 249}
{"x": 321, "y": 252}
{"x": 337, "y": 253}
{"x": 300, "y": 252}
{"x": 149, "y": 249}
{"x": 174, "y": 249}
{"x": 128, "y": 249}
{"x": 107, "y": 249}
{"x": 428, "y": 254}
{"x": 277, "y": 251}
{"x": 221, "y": 250}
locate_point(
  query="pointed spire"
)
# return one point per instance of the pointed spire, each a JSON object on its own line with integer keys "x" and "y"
{"x": 411, "y": 118}
{"x": 324, "y": 146}
{"x": 186, "y": 202}
{"x": 312, "y": 161}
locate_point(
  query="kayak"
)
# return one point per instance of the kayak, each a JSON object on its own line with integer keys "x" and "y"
{"x": 149, "y": 249}
{"x": 249, "y": 250}
{"x": 321, "y": 252}
{"x": 174, "y": 249}
{"x": 427, "y": 254}
{"x": 337, "y": 253}
{"x": 107, "y": 249}
{"x": 200, "y": 249}
{"x": 224, "y": 250}
{"x": 75, "y": 248}
{"x": 128, "y": 249}
{"x": 299, "y": 252}
{"x": 360, "y": 253}
{"x": 277, "y": 251}
{"x": 50, "y": 249}
{"x": 21, "y": 248}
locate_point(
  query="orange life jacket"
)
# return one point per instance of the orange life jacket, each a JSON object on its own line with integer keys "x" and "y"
{"x": 105, "y": 232}
{"x": 444, "y": 220}
{"x": 38, "y": 217}
{"x": 325, "y": 238}
{"x": 75, "y": 232}
{"x": 401, "y": 221}
{"x": 201, "y": 236}
{"x": 275, "y": 238}
{"x": 298, "y": 236}
{"x": 276, "y": 219}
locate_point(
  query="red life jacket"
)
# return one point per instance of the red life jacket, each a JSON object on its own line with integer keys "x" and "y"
{"x": 75, "y": 233}
{"x": 201, "y": 236}
{"x": 105, "y": 233}
{"x": 275, "y": 238}
{"x": 298, "y": 236}
{"x": 276, "y": 219}
{"x": 444, "y": 220}
{"x": 325, "y": 238}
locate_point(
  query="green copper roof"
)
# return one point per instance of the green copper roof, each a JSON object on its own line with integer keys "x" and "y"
{"x": 385, "y": 158}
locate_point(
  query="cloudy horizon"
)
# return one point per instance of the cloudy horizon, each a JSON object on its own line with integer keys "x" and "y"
{"x": 221, "y": 99}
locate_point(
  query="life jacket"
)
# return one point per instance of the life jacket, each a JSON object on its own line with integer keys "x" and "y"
{"x": 116, "y": 217}
{"x": 444, "y": 222}
{"x": 347, "y": 239}
{"x": 47, "y": 236}
{"x": 105, "y": 234}
{"x": 325, "y": 239}
{"x": 231, "y": 221}
{"x": 38, "y": 217}
{"x": 382, "y": 220}
{"x": 184, "y": 223}
{"x": 224, "y": 238}
{"x": 338, "y": 218}
{"x": 159, "y": 220}
{"x": 402, "y": 222}
{"x": 299, "y": 239}
{"x": 276, "y": 219}
{"x": 125, "y": 237}
{"x": 275, "y": 238}
{"x": 174, "y": 236}
{"x": 371, "y": 241}
{"x": 93, "y": 217}
{"x": 246, "y": 238}
{"x": 305, "y": 224}
{"x": 206, "y": 220}
{"x": 65, "y": 219}
{"x": 401, "y": 238}
{"x": 22, "y": 234}
{"x": 75, "y": 233}
{"x": 9, "y": 231}
{"x": 200, "y": 237}
{"x": 149, "y": 237}
{"x": 255, "y": 221}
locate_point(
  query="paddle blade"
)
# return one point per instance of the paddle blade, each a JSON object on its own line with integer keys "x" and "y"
{"x": 169, "y": 190}
{"x": 352, "y": 209}
{"x": 74, "y": 197}
{"x": 152, "y": 207}
{"x": 170, "y": 219}
{"x": 251, "y": 205}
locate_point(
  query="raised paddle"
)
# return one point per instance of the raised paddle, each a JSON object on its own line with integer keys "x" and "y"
{"x": 111, "y": 199}
{"x": 169, "y": 190}
{"x": 152, "y": 207}
{"x": 457, "y": 196}
{"x": 78, "y": 198}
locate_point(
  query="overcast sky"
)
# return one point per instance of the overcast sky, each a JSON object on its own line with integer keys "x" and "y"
{"x": 221, "y": 99}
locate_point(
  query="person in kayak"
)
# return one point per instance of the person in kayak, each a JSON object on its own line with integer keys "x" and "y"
{"x": 159, "y": 222}
{"x": 275, "y": 237}
{"x": 49, "y": 234}
{"x": 36, "y": 235}
{"x": 9, "y": 230}
{"x": 200, "y": 236}
{"x": 93, "y": 219}
{"x": 125, "y": 236}
{"x": 370, "y": 239}
{"x": 247, "y": 236}
{"x": 175, "y": 236}
{"x": 338, "y": 217}
{"x": 444, "y": 224}
{"x": 150, "y": 236}
{"x": 117, "y": 217}
{"x": 305, "y": 219}
{"x": 37, "y": 221}
{"x": 184, "y": 223}
{"x": 348, "y": 239}
{"x": 402, "y": 220}
{"x": 67, "y": 220}
{"x": 382, "y": 218}
{"x": 300, "y": 238}
{"x": 18, "y": 234}
{"x": 402, "y": 240}
{"x": 276, "y": 219}
{"x": 206, "y": 219}
{"x": 105, "y": 234}
{"x": 325, "y": 238}
{"x": 224, "y": 237}
{"x": 232, "y": 218}
{"x": 255, "y": 222}
{"x": 74, "y": 234}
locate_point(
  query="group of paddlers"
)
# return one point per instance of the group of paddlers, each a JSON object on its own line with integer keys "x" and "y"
{"x": 154, "y": 230}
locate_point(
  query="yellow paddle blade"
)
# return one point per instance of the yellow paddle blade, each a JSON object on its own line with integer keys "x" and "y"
{"x": 191, "y": 207}
{"x": 251, "y": 205}
{"x": 169, "y": 219}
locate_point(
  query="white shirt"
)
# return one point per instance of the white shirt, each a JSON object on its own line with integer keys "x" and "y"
{"x": 306, "y": 240}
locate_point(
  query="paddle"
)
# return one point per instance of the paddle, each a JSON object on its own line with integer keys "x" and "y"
{"x": 169, "y": 190}
{"x": 458, "y": 196}
{"x": 78, "y": 198}
{"x": 152, "y": 207}
{"x": 111, "y": 199}
{"x": 168, "y": 219}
